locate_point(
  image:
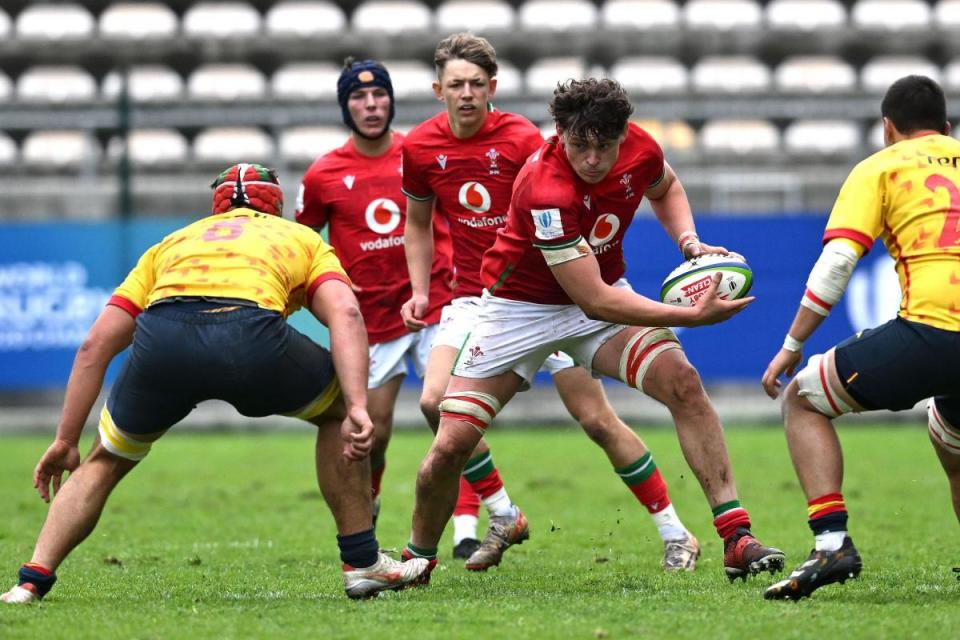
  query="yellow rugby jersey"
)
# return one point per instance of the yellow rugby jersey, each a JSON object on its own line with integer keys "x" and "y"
{"x": 244, "y": 254}
{"x": 908, "y": 194}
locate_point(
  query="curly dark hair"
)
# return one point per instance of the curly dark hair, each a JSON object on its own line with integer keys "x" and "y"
{"x": 591, "y": 109}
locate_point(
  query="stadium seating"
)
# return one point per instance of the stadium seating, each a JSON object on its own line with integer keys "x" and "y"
{"x": 543, "y": 75}
{"x": 220, "y": 20}
{"x": 305, "y": 81}
{"x": 808, "y": 16}
{"x": 739, "y": 137}
{"x": 8, "y": 150}
{"x": 951, "y": 76}
{"x": 946, "y": 14}
{"x": 558, "y": 15}
{"x": 56, "y": 84}
{"x": 45, "y": 151}
{"x": 6, "y": 88}
{"x": 226, "y": 82}
{"x": 223, "y": 145}
{"x": 302, "y": 145}
{"x": 729, "y": 74}
{"x": 881, "y": 71}
{"x": 722, "y": 15}
{"x": 54, "y": 22}
{"x": 481, "y": 16}
{"x": 509, "y": 80}
{"x": 650, "y": 75}
{"x": 814, "y": 74}
{"x": 640, "y": 15}
{"x": 821, "y": 137}
{"x": 891, "y": 15}
{"x": 152, "y": 148}
{"x": 138, "y": 21}
{"x": 6, "y": 25}
{"x": 410, "y": 78}
{"x": 392, "y": 17}
{"x": 303, "y": 19}
{"x": 147, "y": 83}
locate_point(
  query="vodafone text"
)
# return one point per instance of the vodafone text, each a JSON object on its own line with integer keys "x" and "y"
{"x": 494, "y": 221}
{"x": 382, "y": 243}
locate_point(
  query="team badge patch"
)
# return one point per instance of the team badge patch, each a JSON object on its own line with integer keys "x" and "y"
{"x": 548, "y": 223}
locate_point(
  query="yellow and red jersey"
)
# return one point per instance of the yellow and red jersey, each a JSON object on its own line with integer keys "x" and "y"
{"x": 242, "y": 254}
{"x": 908, "y": 194}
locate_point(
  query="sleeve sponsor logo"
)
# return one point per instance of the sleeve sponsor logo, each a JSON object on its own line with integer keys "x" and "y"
{"x": 548, "y": 224}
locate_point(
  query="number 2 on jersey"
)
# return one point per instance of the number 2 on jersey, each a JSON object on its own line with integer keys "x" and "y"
{"x": 950, "y": 234}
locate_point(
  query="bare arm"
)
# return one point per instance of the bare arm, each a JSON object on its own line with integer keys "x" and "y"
{"x": 580, "y": 278}
{"x": 111, "y": 333}
{"x": 418, "y": 245}
{"x": 335, "y": 305}
{"x": 668, "y": 199}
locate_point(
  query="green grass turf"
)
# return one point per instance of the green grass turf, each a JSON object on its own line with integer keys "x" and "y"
{"x": 226, "y": 536}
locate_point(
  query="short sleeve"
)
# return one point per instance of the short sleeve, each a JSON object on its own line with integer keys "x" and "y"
{"x": 415, "y": 184}
{"x": 132, "y": 294}
{"x": 858, "y": 212}
{"x": 312, "y": 210}
{"x": 324, "y": 266}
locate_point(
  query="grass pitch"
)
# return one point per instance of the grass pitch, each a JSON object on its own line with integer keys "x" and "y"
{"x": 226, "y": 536}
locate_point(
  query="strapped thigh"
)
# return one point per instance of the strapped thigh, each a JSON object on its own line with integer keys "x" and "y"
{"x": 640, "y": 352}
{"x": 473, "y": 407}
{"x": 118, "y": 442}
{"x": 814, "y": 385}
{"x": 943, "y": 433}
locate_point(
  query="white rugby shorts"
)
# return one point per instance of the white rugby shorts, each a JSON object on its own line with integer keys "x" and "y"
{"x": 389, "y": 359}
{"x": 457, "y": 320}
{"x": 509, "y": 335}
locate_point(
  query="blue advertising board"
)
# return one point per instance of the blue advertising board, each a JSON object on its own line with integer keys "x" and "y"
{"x": 55, "y": 278}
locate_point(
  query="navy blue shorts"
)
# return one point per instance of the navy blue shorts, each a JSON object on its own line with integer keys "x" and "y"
{"x": 187, "y": 352}
{"x": 899, "y": 363}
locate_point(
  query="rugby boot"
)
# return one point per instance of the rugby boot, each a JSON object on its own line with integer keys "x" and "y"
{"x": 744, "y": 555}
{"x": 386, "y": 574}
{"x": 465, "y": 548}
{"x": 424, "y": 578}
{"x": 680, "y": 554}
{"x": 33, "y": 583}
{"x": 503, "y": 533}
{"x": 820, "y": 569}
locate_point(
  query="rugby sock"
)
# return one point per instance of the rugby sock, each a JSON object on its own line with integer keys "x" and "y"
{"x": 376, "y": 476}
{"x": 728, "y": 517}
{"x": 465, "y": 513}
{"x": 419, "y": 552}
{"x": 484, "y": 478}
{"x": 643, "y": 479}
{"x": 828, "y": 521}
{"x": 37, "y": 578}
{"x": 359, "y": 550}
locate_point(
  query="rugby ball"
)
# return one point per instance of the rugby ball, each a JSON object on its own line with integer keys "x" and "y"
{"x": 690, "y": 281}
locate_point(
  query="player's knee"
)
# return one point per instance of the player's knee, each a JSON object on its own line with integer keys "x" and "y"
{"x": 598, "y": 425}
{"x": 640, "y": 352}
{"x": 430, "y": 404}
{"x": 814, "y": 387}
{"x": 943, "y": 431}
{"x": 119, "y": 443}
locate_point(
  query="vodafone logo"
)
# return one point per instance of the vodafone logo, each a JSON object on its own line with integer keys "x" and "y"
{"x": 475, "y": 197}
{"x": 604, "y": 228}
{"x": 383, "y": 215}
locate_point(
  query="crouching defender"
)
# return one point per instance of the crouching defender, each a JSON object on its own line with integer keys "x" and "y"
{"x": 908, "y": 194}
{"x": 205, "y": 313}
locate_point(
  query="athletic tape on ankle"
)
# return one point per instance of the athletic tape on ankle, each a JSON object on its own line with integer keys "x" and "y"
{"x": 117, "y": 442}
{"x": 475, "y": 407}
{"x": 640, "y": 352}
{"x": 814, "y": 386}
{"x": 944, "y": 433}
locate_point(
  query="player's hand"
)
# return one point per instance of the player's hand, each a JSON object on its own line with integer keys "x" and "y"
{"x": 697, "y": 249}
{"x": 711, "y": 308}
{"x": 357, "y": 433}
{"x": 60, "y": 457}
{"x": 413, "y": 311}
{"x": 785, "y": 362}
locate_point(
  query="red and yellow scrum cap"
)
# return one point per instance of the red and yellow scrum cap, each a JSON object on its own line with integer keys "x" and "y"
{"x": 248, "y": 185}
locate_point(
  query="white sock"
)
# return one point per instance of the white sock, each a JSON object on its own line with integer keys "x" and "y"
{"x": 668, "y": 524}
{"x": 829, "y": 541}
{"x": 498, "y": 504}
{"x": 464, "y": 527}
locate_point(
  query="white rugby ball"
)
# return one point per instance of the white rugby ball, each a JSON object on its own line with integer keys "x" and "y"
{"x": 690, "y": 281}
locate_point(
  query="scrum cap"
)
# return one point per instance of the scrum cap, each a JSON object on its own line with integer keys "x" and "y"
{"x": 248, "y": 185}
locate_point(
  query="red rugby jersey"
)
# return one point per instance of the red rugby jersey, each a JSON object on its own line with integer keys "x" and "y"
{"x": 359, "y": 197}
{"x": 471, "y": 179}
{"x": 553, "y": 208}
